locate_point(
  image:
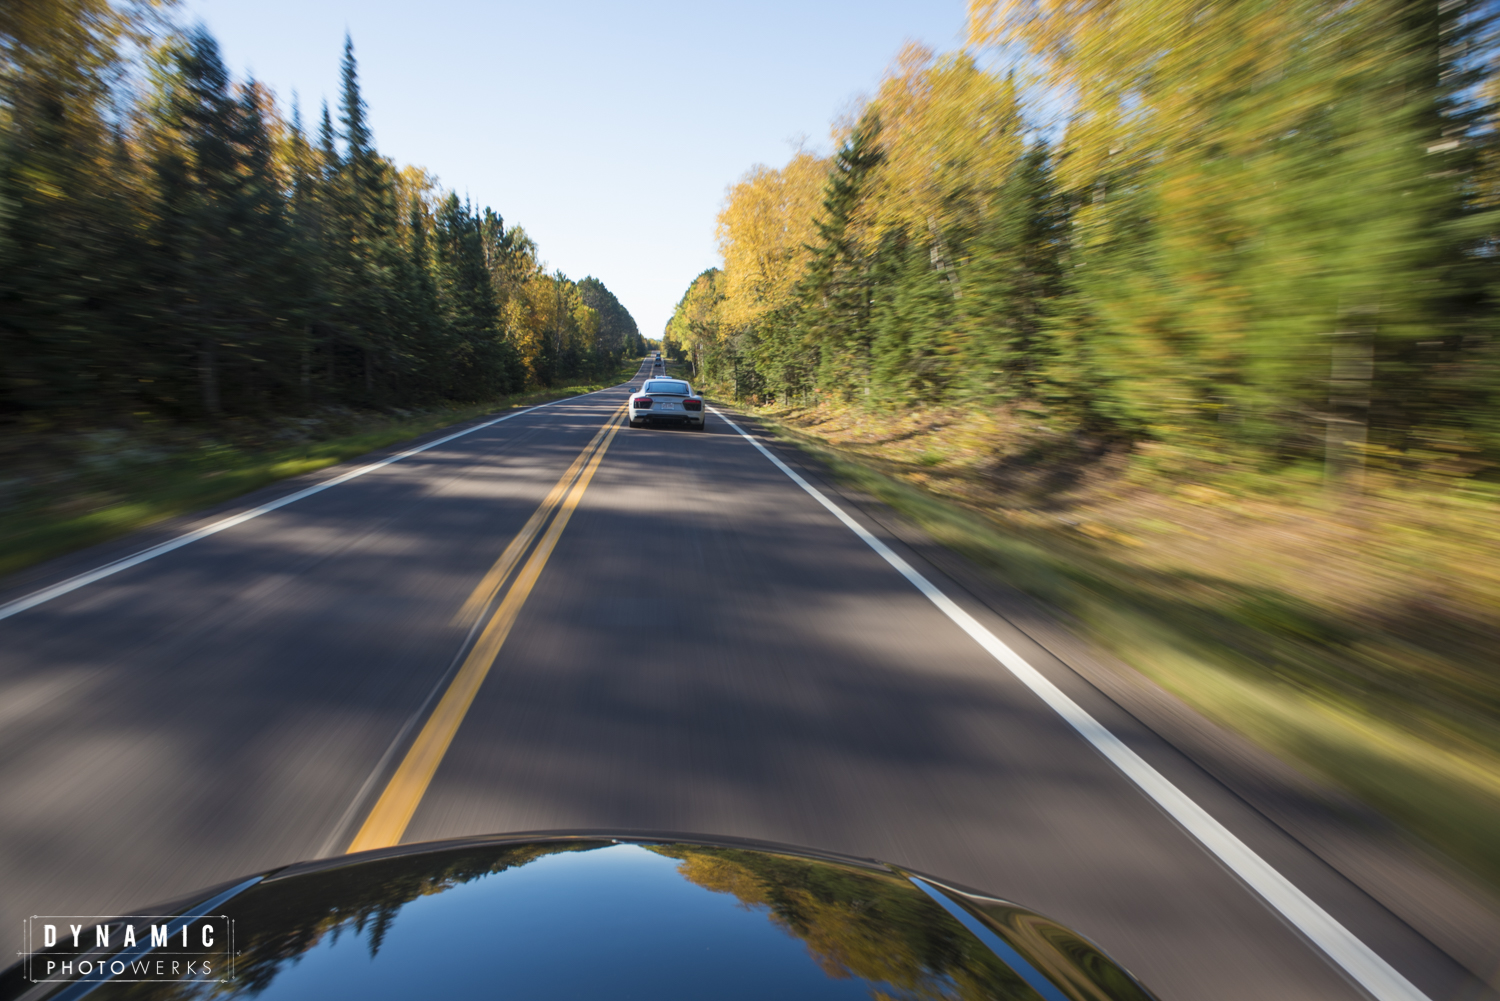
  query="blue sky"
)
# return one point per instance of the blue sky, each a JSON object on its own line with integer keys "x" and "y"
{"x": 608, "y": 130}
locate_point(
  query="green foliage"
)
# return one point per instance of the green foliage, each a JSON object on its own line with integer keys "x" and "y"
{"x": 1272, "y": 229}
{"x": 480, "y": 363}
{"x": 172, "y": 248}
{"x": 838, "y": 290}
{"x": 917, "y": 350}
{"x": 618, "y": 336}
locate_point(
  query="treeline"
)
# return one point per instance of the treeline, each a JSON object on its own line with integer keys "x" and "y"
{"x": 1266, "y": 226}
{"x": 173, "y": 245}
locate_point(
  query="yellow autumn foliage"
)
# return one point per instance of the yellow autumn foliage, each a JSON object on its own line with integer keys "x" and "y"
{"x": 695, "y": 325}
{"x": 1151, "y": 79}
{"x": 951, "y": 134}
{"x": 842, "y": 917}
{"x": 764, "y": 231}
{"x": 417, "y": 187}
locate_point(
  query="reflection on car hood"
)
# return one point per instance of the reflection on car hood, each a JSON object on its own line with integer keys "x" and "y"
{"x": 625, "y": 916}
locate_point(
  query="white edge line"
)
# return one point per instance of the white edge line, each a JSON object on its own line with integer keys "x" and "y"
{"x": 1358, "y": 960}
{"x": 99, "y": 573}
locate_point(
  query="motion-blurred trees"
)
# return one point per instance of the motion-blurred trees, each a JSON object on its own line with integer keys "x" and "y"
{"x": 171, "y": 245}
{"x": 69, "y": 246}
{"x": 618, "y": 335}
{"x": 696, "y": 330}
{"x": 1262, "y": 223}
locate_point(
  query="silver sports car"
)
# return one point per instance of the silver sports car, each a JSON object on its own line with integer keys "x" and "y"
{"x": 667, "y": 401}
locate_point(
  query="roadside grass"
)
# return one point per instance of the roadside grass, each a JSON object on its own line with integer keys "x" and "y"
{"x": 1353, "y": 638}
{"x": 81, "y": 489}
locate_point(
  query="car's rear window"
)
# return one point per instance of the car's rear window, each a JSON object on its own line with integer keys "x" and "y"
{"x": 669, "y": 388}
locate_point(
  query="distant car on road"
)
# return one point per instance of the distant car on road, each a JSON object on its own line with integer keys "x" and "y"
{"x": 667, "y": 401}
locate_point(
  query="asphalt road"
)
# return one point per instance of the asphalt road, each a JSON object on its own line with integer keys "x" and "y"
{"x": 707, "y": 649}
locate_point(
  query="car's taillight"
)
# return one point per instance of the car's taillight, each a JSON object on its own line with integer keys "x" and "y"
{"x": 692, "y": 404}
{"x": 643, "y": 403}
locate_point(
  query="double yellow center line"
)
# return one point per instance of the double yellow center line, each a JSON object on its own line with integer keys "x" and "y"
{"x": 393, "y": 811}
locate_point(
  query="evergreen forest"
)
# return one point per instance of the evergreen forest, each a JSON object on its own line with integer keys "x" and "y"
{"x": 177, "y": 246}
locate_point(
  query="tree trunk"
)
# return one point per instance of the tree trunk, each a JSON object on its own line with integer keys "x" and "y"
{"x": 940, "y": 258}
{"x": 208, "y": 373}
{"x": 1351, "y": 366}
{"x": 306, "y": 368}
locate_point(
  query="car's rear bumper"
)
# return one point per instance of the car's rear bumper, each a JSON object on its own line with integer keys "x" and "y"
{"x": 678, "y": 418}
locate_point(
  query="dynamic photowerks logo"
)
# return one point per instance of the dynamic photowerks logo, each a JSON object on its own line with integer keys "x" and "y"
{"x": 139, "y": 947}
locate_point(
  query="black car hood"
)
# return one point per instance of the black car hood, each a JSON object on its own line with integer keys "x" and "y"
{"x": 611, "y": 915}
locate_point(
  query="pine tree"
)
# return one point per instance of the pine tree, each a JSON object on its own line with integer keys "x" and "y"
{"x": 198, "y": 183}
{"x": 309, "y": 280}
{"x": 269, "y": 298}
{"x": 914, "y": 322}
{"x": 1014, "y": 278}
{"x": 428, "y": 332}
{"x": 70, "y": 257}
{"x": 366, "y": 228}
{"x": 836, "y": 290}
{"x": 480, "y": 359}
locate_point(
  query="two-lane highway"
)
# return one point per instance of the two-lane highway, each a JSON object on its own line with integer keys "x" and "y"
{"x": 556, "y": 622}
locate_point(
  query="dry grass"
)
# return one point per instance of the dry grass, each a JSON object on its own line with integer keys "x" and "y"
{"x": 1353, "y": 634}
